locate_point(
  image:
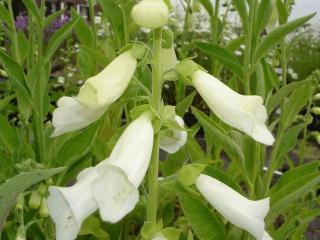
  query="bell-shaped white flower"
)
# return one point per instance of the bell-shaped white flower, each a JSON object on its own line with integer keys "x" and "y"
{"x": 95, "y": 96}
{"x": 173, "y": 143}
{"x": 69, "y": 206}
{"x": 116, "y": 187}
{"x": 72, "y": 115}
{"x": 108, "y": 85}
{"x": 150, "y": 13}
{"x": 240, "y": 211}
{"x": 245, "y": 113}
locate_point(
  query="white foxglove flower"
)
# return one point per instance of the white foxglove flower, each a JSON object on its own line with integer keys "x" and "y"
{"x": 71, "y": 115}
{"x": 116, "y": 187}
{"x": 150, "y": 13}
{"x": 69, "y": 206}
{"x": 242, "y": 212}
{"x": 173, "y": 143}
{"x": 95, "y": 96}
{"x": 245, "y": 113}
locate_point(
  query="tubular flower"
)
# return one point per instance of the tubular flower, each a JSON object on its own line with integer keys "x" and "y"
{"x": 69, "y": 206}
{"x": 173, "y": 143}
{"x": 95, "y": 96}
{"x": 116, "y": 187}
{"x": 245, "y": 113}
{"x": 150, "y": 13}
{"x": 242, "y": 212}
{"x": 111, "y": 186}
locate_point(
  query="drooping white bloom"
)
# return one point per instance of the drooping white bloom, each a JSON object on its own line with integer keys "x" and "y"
{"x": 173, "y": 143}
{"x": 111, "y": 186}
{"x": 245, "y": 113}
{"x": 240, "y": 211}
{"x": 116, "y": 187}
{"x": 72, "y": 115}
{"x": 150, "y": 13}
{"x": 95, "y": 96}
{"x": 69, "y": 206}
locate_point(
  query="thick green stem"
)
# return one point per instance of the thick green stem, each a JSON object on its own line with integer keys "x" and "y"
{"x": 214, "y": 33}
{"x": 93, "y": 26}
{"x": 38, "y": 97}
{"x": 156, "y": 98}
{"x": 125, "y": 22}
{"x": 248, "y": 48}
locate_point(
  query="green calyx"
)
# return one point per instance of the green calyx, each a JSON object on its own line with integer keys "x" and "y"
{"x": 186, "y": 68}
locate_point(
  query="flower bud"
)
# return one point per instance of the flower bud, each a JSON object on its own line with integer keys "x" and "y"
{"x": 150, "y": 13}
{"x": 316, "y": 97}
{"x": 35, "y": 200}
{"x": 42, "y": 189}
{"x": 20, "y": 202}
{"x": 44, "y": 212}
{"x": 315, "y": 110}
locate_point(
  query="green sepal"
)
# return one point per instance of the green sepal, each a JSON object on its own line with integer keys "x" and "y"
{"x": 171, "y": 233}
{"x": 189, "y": 173}
{"x": 150, "y": 228}
{"x": 137, "y": 111}
{"x": 168, "y": 113}
{"x": 167, "y": 38}
{"x": 186, "y": 68}
{"x": 35, "y": 200}
{"x": 139, "y": 51}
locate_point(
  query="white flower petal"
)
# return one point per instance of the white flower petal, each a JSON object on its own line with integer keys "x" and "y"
{"x": 245, "y": 113}
{"x": 240, "y": 211}
{"x": 71, "y": 115}
{"x": 115, "y": 194}
{"x": 108, "y": 85}
{"x": 158, "y": 236}
{"x": 266, "y": 236}
{"x": 174, "y": 143}
{"x": 133, "y": 150}
{"x": 69, "y": 206}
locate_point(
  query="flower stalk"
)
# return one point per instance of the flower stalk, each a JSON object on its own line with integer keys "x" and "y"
{"x": 156, "y": 98}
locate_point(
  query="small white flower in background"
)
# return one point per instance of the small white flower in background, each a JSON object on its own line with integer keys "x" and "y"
{"x": 95, "y": 96}
{"x": 240, "y": 211}
{"x": 116, "y": 188}
{"x": 150, "y": 13}
{"x": 245, "y": 113}
{"x": 158, "y": 236}
{"x": 111, "y": 186}
{"x": 173, "y": 143}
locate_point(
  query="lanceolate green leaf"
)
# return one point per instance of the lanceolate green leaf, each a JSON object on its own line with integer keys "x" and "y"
{"x": 205, "y": 224}
{"x": 279, "y": 96}
{"x": 228, "y": 144}
{"x": 208, "y": 6}
{"x": 293, "y": 190}
{"x": 242, "y": 10}
{"x": 77, "y": 147}
{"x": 297, "y": 101}
{"x": 83, "y": 31}
{"x": 8, "y": 136}
{"x": 184, "y": 104}
{"x": 276, "y": 35}
{"x": 5, "y": 16}
{"x": 222, "y": 55}
{"x": 58, "y": 38}
{"x": 32, "y": 7}
{"x": 10, "y": 190}
{"x": 263, "y": 15}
